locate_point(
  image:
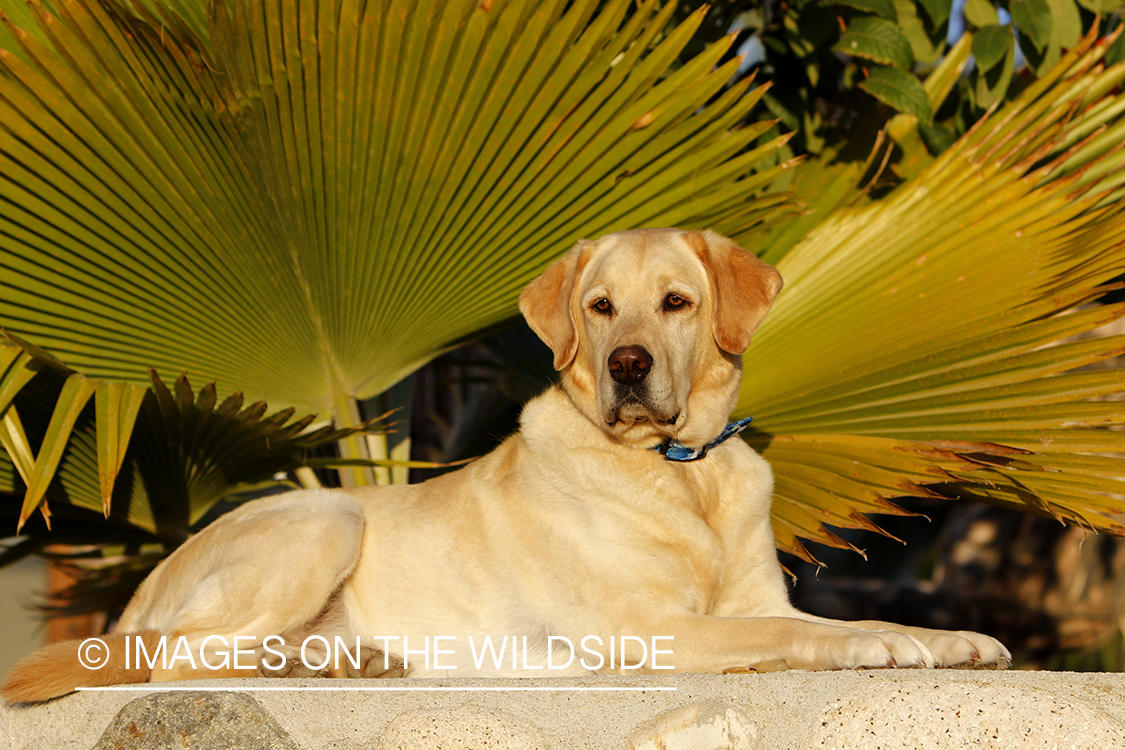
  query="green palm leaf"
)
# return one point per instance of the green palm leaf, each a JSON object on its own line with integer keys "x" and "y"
{"x": 921, "y": 345}
{"x": 311, "y": 217}
{"x": 326, "y": 194}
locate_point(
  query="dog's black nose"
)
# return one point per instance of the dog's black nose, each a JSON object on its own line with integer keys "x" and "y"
{"x": 629, "y": 365}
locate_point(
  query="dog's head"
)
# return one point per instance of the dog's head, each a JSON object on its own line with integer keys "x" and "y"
{"x": 648, "y": 327}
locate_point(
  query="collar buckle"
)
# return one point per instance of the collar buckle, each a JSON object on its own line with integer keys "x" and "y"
{"x": 673, "y": 451}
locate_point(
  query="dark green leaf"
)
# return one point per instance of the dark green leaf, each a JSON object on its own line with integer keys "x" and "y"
{"x": 878, "y": 40}
{"x": 936, "y": 137}
{"x": 1033, "y": 19}
{"x": 937, "y": 10}
{"x": 1116, "y": 51}
{"x": 809, "y": 28}
{"x": 884, "y": 8}
{"x": 927, "y": 45}
{"x": 1066, "y": 31}
{"x": 992, "y": 83}
{"x": 990, "y": 44}
{"x": 900, "y": 90}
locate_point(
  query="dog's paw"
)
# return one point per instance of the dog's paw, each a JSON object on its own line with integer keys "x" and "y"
{"x": 289, "y": 668}
{"x": 375, "y": 663}
{"x": 883, "y": 649}
{"x": 964, "y": 649}
{"x": 993, "y": 653}
{"x": 290, "y": 661}
{"x": 848, "y": 648}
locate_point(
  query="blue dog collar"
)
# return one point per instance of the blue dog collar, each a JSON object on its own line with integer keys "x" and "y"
{"x": 674, "y": 451}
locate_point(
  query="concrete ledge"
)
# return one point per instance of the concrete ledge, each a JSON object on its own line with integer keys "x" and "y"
{"x": 874, "y": 709}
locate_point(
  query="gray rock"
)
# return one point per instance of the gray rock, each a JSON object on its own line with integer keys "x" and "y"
{"x": 216, "y": 721}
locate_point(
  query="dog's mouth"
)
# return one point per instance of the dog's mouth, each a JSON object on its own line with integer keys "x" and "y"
{"x": 627, "y": 420}
{"x": 636, "y": 411}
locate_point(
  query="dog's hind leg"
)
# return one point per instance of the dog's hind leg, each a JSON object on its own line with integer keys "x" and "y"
{"x": 327, "y": 647}
{"x": 265, "y": 569}
{"x": 268, "y": 569}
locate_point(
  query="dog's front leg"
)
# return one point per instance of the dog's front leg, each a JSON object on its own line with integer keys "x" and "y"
{"x": 703, "y": 643}
{"x": 960, "y": 649}
{"x": 758, "y": 592}
{"x": 754, "y": 586}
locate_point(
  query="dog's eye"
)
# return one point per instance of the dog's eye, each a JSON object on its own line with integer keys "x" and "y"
{"x": 602, "y": 307}
{"x": 674, "y": 302}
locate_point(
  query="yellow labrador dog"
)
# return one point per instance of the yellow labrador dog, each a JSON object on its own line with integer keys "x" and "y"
{"x": 618, "y": 532}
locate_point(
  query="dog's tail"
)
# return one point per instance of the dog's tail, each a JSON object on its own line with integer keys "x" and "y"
{"x": 60, "y": 668}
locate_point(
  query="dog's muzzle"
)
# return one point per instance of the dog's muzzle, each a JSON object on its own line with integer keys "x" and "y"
{"x": 629, "y": 366}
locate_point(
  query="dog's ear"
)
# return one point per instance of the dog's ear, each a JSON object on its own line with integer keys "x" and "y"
{"x": 546, "y": 305}
{"x": 744, "y": 287}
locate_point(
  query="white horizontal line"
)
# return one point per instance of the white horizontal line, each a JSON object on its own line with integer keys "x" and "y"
{"x": 262, "y": 688}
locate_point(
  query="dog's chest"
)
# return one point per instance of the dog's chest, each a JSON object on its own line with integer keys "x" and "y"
{"x": 672, "y": 525}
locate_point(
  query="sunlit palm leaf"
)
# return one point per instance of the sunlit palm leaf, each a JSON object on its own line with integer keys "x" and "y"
{"x": 922, "y": 333}
{"x": 326, "y": 194}
{"x": 342, "y": 190}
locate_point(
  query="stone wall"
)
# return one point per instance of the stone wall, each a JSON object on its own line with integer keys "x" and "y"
{"x": 800, "y": 710}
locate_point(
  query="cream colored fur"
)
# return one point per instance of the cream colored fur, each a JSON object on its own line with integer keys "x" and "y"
{"x": 573, "y": 527}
